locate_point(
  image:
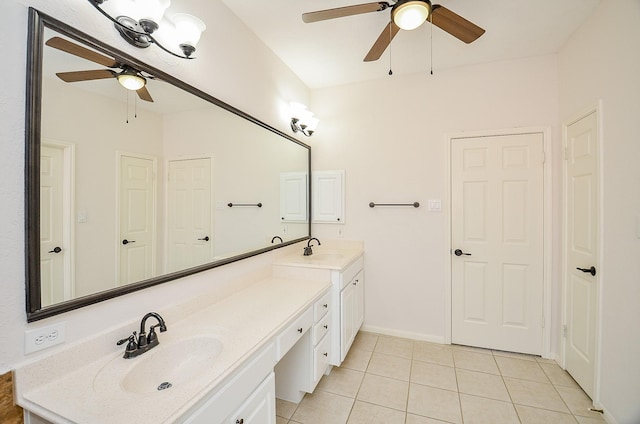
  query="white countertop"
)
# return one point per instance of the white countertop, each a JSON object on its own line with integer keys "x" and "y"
{"x": 243, "y": 322}
{"x": 334, "y": 258}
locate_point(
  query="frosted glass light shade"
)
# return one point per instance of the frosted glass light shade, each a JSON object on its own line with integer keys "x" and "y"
{"x": 151, "y": 9}
{"x": 312, "y": 123}
{"x": 297, "y": 110}
{"x": 188, "y": 28}
{"x": 131, "y": 81}
{"x": 411, "y": 14}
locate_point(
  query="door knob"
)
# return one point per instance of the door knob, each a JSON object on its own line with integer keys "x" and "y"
{"x": 55, "y": 250}
{"x": 459, "y": 252}
{"x": 125, "y": 241}
{"x": 591, "y": 270}
{"x": 205, "y": 238}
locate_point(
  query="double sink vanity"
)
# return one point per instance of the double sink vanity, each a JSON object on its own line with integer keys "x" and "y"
{"x": 223, "y": 363}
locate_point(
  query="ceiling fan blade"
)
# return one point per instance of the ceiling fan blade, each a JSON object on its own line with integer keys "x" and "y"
{"x": 76, "y": 76}
{"x": 339, "y": 12}
{"x": 455, "y": 24}
{"x": 143, "y": 93}
{"x": 382, "y": 42}
{"x": 78, "y": 50}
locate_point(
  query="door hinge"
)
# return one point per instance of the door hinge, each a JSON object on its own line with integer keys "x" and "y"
{"x": 564, "y": 331}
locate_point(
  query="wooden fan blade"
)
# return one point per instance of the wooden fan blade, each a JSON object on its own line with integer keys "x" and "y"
{"x": 339, "y": 12}
{"x": 382, "y": 42}
{"x": 455, "y": 24}
{"x": 143, "y": 93}
{"x": 83, "y": 52}
{"x": 76, "y": 76}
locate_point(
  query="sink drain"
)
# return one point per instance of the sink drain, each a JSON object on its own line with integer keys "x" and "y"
{"x": 164, "y": 385}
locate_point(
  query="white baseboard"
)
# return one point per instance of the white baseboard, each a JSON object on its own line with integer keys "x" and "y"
{"x": 405, "y": 334}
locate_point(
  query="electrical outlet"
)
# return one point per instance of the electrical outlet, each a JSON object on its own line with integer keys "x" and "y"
{"x": 44, "y": 337}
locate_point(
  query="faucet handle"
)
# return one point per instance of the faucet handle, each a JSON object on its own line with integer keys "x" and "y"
{"x": 131, "y": 338}
{"x": 153, "y": 336}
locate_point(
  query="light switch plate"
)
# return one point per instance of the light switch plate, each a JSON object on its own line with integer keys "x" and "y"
{"x": 434, "y": 205}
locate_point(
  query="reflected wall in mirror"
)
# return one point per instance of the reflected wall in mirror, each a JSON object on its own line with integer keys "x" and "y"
{"x": 128, "y": 189}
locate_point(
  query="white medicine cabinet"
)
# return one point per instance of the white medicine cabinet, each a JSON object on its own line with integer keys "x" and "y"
{"x": 328, "y": 196}
{"x": 293, "y": 196}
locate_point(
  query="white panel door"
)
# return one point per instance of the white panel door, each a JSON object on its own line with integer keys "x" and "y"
{"x": 581, "y": 249}
{"x": 497, "y": 242}
{"x": 293, "y": 196}
{"x": 328, "y": 196}
{"x": 190, "y": 238}
{"x": 52, "y": 249}
{"x": 137, "y": 217}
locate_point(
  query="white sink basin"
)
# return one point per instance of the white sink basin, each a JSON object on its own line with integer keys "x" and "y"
{"x": 168, "y": 366}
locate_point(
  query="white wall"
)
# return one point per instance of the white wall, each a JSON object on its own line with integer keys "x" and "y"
{"x": 602, "y": 62}
{"x": 244, "y": 74}
{"x": 390, "y": 137}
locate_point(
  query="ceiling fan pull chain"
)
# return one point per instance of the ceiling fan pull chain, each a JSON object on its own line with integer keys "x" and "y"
{"x": 127, "y": 117}
{"x": 431, "y": 40}
{"x": 390, "y": 38}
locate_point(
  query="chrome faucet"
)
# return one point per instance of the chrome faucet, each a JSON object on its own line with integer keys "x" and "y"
{"x": 276, "y": 237}
{"x": 307, "y": 250}
{"x": 145, "y": 341}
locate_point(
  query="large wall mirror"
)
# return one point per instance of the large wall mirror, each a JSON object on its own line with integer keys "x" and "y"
{"x": 127, "y": 189}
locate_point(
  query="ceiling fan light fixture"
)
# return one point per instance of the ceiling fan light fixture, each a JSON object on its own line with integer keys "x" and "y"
{"x": 131, "y": 81}
{"x": 410, "y": 14}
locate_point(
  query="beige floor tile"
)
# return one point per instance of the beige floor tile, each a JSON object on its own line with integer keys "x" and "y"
{"x": 357, "y": 359}
{"x": 323, "y": 408}
{"x": 395, "y": 346}
{"x": 529, "y": 415}
{"x": 533, "y": 393}
{"x": 477, "y": 410}
{"x": 557, "y": 375}
{"x": 434, "y": 375}
{"x": 280, "y": 420}
{"x": 520, "y": 368}
{"x": 522, "y": 356}
{"x": 384, "y": 391}
{"x": 367, "y": 413}
{"x": 472, "y": 349}
{"x": 342, "y": 381}
{"x": 475, "y": 361}
{"x": 434, "y": 403}
{"x": 285, "y": 409}
{"x": 595, "y": 419}
{"x": 577, "y": 401}
{"x": 365, "y": 341}
{"x": 482, "y": 384}
{"x": 390, "y": 366}
{"x": 417, "y": 419}
{"x": 434, "y": 353}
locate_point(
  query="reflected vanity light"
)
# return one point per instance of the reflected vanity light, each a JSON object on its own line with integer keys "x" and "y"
{"x": 139, "y": 19}
{"x": 302, "y": 119}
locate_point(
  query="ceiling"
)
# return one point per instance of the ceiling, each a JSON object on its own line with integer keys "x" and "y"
{"x": 331, "y": 52}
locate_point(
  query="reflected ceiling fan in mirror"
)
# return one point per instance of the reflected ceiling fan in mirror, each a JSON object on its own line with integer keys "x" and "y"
{"x": 407, "y": 15}
{"x": 128, "y": 77}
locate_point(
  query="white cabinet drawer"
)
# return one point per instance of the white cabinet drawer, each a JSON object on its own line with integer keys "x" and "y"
{"x": 350, "y": 273}
{"x": 321, "y": 328}
{"x": 293, "y": 332}
{"x": 322, "y": 306}
{"x": 321, "y": 359}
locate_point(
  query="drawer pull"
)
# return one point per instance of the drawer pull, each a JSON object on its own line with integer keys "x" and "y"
{"x": 326, "y": 326}
{"x": 326, "y": 305}
{"x": 326, "y": 354}
{"x": 300, "y": 330}
{"x": 240, "y": 421}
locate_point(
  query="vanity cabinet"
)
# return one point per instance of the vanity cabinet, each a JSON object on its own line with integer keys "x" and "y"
{"x": 249, "y": 397}
{"x": 348, "y": 294}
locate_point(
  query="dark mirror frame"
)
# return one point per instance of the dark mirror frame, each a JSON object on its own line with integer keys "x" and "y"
{"x": 37, "y": 22}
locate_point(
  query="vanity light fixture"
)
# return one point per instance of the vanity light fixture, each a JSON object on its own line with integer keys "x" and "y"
{"x": 302, "y": 119}
{"x": 139, "y": 19}
{"x": 410, "y": 14}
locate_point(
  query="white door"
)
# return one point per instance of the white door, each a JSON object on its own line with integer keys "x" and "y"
{"x": 137, "y": 216}
{"x": 497, "y": 242}
{"x": 52, "y": 222}
{"x": 328, "y": 196}
{"x": 190, "y": 238}
{"x": 581, "y": 249}
{"x": 293, "y": 196}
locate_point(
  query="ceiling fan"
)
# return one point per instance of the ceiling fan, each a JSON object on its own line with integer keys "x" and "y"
{"x": 407, "y": 15}
{"x": 128, "y": 77}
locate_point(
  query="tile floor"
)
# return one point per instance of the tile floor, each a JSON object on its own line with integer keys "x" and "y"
{"x": 389, "y": 380}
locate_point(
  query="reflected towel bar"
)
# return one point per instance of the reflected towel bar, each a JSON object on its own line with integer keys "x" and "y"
{"x": 414, "y": 204}
{"x": 244, "y": 204}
